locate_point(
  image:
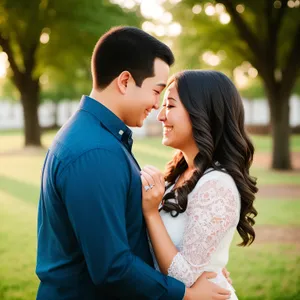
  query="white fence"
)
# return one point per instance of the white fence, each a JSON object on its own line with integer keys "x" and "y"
{"x": 11, "y": 114}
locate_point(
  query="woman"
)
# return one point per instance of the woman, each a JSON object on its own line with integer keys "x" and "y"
{"x": 209, "y": 191}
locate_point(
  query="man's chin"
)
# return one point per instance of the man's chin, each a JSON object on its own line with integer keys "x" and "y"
{"x": 140, "y": 123}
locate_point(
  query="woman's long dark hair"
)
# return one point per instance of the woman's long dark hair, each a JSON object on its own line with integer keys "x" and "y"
{"x": 217, "y": 116}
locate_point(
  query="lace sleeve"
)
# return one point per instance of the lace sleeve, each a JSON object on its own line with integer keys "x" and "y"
{"x": 212, "y": 211}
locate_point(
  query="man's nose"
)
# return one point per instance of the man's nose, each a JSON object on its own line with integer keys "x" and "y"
{"x": 156, "y": 104}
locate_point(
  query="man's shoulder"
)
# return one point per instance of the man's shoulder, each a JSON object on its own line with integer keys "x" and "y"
{"x": 76, "y": 138}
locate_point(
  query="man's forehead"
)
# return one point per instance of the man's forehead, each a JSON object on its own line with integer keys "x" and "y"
{"x": 161, "y": 71}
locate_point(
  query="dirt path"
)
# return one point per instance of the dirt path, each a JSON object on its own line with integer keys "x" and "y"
{"x": 277, "y": 234}
{"x": 285, "y": 191}
{"x": 263, "y": 160}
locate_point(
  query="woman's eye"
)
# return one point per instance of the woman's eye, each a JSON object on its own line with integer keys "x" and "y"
{"x": 169, "y": 106}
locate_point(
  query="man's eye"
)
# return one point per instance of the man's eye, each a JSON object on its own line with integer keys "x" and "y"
{"x": 156, "y": 92}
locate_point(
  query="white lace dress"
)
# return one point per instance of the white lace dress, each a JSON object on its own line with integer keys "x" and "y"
{"x": 203, "y": 233}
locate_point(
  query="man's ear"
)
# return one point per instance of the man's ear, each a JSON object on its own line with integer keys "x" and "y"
{"x": 122, "y": 81}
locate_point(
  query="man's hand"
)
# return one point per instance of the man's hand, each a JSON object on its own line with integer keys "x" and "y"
{"x": 203, "y": 289}
{"x": 227, "y": 274}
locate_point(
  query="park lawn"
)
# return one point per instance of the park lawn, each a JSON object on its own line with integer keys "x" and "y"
{"x": 261, "y": 271}
{"x": 12, "y": 139}
{"x": 28, "y": 167}
{"x": 17, "y": 248}
{"x": 265, "y": 271}
{"x": 263, "y": 143}
{"x": 147, "y": 151}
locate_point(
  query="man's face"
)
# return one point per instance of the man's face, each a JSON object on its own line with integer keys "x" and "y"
{"x": 141, "y": 100}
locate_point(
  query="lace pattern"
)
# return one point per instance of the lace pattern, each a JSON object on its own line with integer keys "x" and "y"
{"x": 213, "y": 209}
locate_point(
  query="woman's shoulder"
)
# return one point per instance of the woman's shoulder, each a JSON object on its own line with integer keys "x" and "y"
{"x": 216, "y": 187}
{"x": 220, "y": 178}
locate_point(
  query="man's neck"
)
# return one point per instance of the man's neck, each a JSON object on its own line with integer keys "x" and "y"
{"x": 106, "y": 98}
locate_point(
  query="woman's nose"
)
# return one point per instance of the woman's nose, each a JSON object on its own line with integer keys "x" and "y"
{"x": 162, "y": 115}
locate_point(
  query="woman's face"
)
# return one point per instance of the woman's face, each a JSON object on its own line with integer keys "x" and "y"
{"x": 177, "y": 126}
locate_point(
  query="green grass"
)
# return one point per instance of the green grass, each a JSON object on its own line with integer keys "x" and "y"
{"x": 152, "y": 151}
{"x": 263, "y": 143}
{"x": 17, "y": 247}
{"x": 266, "y": 272}
{"x": 269, "y": 177}
{"x": 261, "y": 271}
{"x": 278, "y": 212}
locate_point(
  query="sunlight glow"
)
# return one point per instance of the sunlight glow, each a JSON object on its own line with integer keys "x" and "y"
{"x": 44, "y": 38}
{"x": 148, "y": 26}
{"x": 240, "y": 78}
{"x": 197, "y": 9}
{"x": 291, "y": 4}
{"x": 224, "y": 18}
{"x": 151, "y": 9}
{"x": 171, "y": 30}
{"x": 210, "y": 58}
{"x": 174, "y": 29}
{"x": 160, "y": 30}
{"x": 159, "y": 21}
{"x": 2, "y": 70}
{"x": 243, "y": 73}
{"x": 220, "y": 8}
{"x": 277, "y": 4}
{"x": 252, "y": 72}
{"x": 44, "y": 79}
{"x": 4, "y": 64}
{"x": 240, "y": 8}
{"x": 167, "y": 18}
{"x": 210, "y": 9}
{"x": 129, "y": 4}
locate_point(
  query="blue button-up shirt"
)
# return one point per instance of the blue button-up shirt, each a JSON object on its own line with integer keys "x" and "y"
{"x": 92, "y": 241}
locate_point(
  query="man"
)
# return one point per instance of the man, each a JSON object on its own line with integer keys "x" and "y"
{"x": 92, "y": 241}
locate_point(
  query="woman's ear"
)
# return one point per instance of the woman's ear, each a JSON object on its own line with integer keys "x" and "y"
{"x": 122, "y": 81}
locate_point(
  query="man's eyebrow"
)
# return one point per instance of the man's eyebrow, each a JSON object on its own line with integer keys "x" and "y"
{"x": 161, "y": 84}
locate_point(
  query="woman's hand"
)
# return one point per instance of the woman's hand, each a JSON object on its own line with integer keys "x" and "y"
{"x": 153, "y": 187}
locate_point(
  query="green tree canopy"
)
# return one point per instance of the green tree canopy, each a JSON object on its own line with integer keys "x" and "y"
{"x": 264, "y": 33}
{"x": 53, "y": 38}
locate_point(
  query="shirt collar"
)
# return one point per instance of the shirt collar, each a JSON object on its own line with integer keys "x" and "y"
{"x": 108, "y": 119}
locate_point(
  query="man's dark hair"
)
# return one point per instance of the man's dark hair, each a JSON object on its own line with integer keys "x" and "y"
{"x": 127, "y": 49}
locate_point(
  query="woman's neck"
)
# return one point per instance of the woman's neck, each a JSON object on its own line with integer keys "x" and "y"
{"x": 189, "y": 156}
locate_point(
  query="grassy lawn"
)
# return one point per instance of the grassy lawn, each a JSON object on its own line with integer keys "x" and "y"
{"x": 261, "y": 271}
{"x": 264, "y": 143}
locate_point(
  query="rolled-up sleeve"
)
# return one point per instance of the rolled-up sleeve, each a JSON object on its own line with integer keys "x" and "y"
{"x": 94, "y": 188}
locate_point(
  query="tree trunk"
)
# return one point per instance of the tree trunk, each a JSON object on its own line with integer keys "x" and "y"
{"x": 30, "y": 93}
{"x": 279, "y": 109}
